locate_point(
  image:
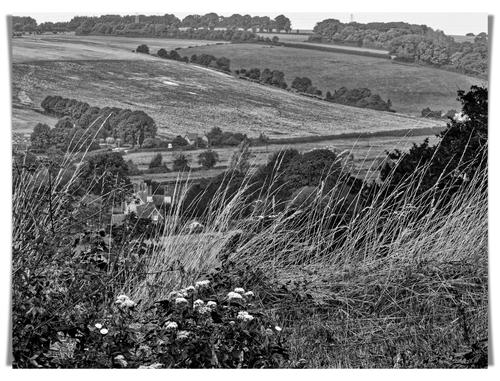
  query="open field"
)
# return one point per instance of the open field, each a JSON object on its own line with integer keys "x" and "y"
{"x": 410, "y": 88}
{"x": 70, "y": 47}
{"x": 180, "y": 97}
{"x": 367, "y": 152}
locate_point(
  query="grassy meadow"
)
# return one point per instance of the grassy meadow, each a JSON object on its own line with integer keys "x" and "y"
{"x": 410, "y": 88}
{"x": 179, "y": 97}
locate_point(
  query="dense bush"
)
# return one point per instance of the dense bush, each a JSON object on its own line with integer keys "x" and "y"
{"x": 458, "y": 157}
{"x": 218, "y": 138}
{"x": 142, "y": 49}
{"x": 208, "y": 60}
{"x": 359, "y": 98}
{"x": 180, "y": 163}
{"x": 208, "y": 159}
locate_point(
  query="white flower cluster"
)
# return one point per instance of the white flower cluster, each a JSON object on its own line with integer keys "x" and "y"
{"x": 123, "y": 301}
{"x": 239, "y": 293}
{"x": 244, "y": 316}
{"x": 211, "y": 304}
{"x": 170, "y": 326}
{"x": 202, "y": 284}
{"x": 197, "y": 304}
{"x": 234, "y": 296}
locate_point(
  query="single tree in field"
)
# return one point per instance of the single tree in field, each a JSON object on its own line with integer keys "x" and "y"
{"x": 142, "y": 49}
{"x": 208, "y": 159}
{"x": 181, "y": 163}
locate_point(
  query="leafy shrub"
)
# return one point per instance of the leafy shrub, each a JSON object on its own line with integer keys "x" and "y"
{"x": 142, "y": 49}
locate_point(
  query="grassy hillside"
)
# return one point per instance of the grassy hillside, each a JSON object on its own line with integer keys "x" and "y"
{"x": 410, "y": 88}
{"x": 187, "y": 98}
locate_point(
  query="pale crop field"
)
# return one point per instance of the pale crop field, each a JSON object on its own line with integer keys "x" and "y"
{"x": 67, "y": 46}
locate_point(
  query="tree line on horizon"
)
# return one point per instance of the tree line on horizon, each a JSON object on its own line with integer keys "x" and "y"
{"x": 409, "y": 43}
{"x": 154, "y": 25}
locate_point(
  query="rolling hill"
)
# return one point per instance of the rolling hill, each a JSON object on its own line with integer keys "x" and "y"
{"x": 180, "y": 97}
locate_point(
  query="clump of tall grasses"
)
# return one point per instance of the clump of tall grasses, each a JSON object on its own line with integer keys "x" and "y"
{"x": 401, "y": 282}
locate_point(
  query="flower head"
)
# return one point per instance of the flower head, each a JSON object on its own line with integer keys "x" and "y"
{"x": 249, "y": 294}
{"x": 211, "y": 304}
{"x": 234, "y": 295}
{"x": 202, "y": 284}
{"x": 197, "y": 304}
{"x": 98, "y": 325}
{"x": 123, "y": 301}
{"x": 104, "y": 331}
{"x": 171, "y": 326}
{"x": 277, "y": 328}
{"x": 239, "y": 290}
{"x": 244, "y": 316}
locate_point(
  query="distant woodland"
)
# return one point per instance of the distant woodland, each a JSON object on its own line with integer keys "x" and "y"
{"x": 409, "y": 43}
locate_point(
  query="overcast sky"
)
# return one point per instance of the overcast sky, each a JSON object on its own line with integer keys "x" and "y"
{"x": 450, "y": 23}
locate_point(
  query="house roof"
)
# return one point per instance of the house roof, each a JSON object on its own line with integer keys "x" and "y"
{"x": 147, "y": 210}
{"x": 191, "y": 136}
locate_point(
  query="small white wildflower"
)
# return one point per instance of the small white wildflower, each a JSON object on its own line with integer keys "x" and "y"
{"x": 202, "y": 284}
{"x": 104, "y": 331}
{"x": 239, "y": 290}
{"x": 234, "y": 295}
{"x": 277, "y": 328}
{"x": 211, "y": 304}
{"x": 269, "y": 332}
{"x": 171, "y": 326}
{"x": 249, "y": 294}
{"x": 232, "y": 322}
{"x": 98, "y": 325}
{"x": 183, "y": 335}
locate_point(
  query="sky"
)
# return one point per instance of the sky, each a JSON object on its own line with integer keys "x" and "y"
{"x": 451, "y": 23}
